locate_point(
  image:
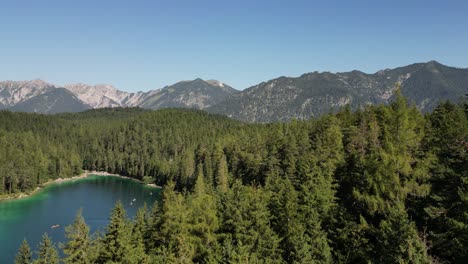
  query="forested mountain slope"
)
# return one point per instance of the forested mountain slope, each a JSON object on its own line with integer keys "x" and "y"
{"x": 198, "y": 94}
{"x": 281, "y": 99}
{"x": 314, "y": 94}
{"x": 57, "y": 100}
{"x": 385, "y": 184}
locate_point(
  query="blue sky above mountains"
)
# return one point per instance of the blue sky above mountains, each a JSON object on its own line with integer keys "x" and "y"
{"x": 142, "y": 45}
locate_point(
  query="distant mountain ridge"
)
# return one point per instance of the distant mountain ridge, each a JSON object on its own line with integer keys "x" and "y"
{"x": 12, "y": 92}
{"x": 315, "y": 93}
{"x": 280, "y": 99}
{"x": 38, "y": 96}
{"x": 197, "y": 94}
{"x": 55, "y": 101}
{"x": 102, "y": 95}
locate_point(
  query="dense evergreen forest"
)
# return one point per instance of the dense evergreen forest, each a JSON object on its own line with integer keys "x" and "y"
{"x": 385, "y": 184}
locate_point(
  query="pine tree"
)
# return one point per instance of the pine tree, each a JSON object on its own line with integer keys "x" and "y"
{"x": 200, "y": 186}
{"x": 24, "y": 255}
{"x": 136, "y": 252}
{"x": 202, "y": 221}
{"x": 77, "y": 245}
{"x": 116, "y": 240}
{"x": 286, "y": 221}
{"x": 389, "y": 167}
{"x": 399, "y": 241}
{"x": 246, "y": 227}
{"x": 317, "y": 185}
{"x": 47, "y": 252}
{"x": 444, "y": 213}
{"x": 222, "y": 179}
{"x": 152, "y": 237}
{"x": 174, "y": 230}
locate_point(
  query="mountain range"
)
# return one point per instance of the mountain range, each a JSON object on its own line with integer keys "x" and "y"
{"x": 315, "y": 93}
{"x": 42, "y": 97}
{"x": 280, "y": 99}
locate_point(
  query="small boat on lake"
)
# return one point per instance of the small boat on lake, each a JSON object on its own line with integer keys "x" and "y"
{"x": 55, "y": 226}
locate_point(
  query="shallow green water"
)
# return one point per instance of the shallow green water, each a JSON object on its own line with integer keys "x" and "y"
{"x": 57, "y": 204}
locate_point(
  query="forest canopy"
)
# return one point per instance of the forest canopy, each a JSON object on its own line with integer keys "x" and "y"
{"x": 384, "y": 184}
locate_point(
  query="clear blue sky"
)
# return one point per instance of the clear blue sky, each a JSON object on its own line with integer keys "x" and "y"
{"x": 141, "y": 45}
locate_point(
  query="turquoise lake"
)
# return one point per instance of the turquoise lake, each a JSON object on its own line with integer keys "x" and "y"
{"x": 58, "y": 203}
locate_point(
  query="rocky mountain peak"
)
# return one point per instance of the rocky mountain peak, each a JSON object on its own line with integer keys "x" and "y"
{"x": 38, "y": 83}
{"x": 98, "y": 96}
{"x": 215, "y": 83}
{"x": 13, "y": 92}
{"x": 313, "y": 94}
{"x": 280, "y": 99}
{"x": 196, "y": 93}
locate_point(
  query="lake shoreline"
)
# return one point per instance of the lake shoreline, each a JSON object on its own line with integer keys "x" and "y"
{"x": 84, "y": 175}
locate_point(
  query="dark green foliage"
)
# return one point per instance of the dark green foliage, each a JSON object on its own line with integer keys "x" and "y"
{"x": 174, "y": 233}
{"x": 116, "y": 242}
{"x": 246, "y": 232}
{"x": 385, "y": 184}
{"x": 24, "y": 255}
{"x": 445, "y": 211}
{"x": 286, "y": 221}
{"x": 78, "y": 241}
{"x": 136, "y": 253}
{"x": 203, "y": 221}
{"x": 47, "y": 252}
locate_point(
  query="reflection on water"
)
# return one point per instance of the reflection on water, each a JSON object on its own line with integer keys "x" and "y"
{"x": 57, "y": 204}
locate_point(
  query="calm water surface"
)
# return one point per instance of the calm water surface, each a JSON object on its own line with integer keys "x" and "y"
{"x": 57, "y": 204}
